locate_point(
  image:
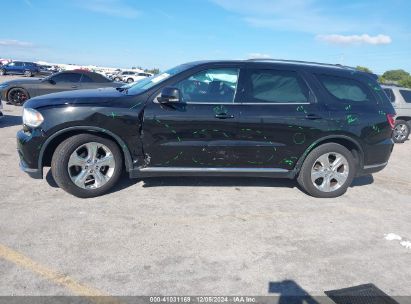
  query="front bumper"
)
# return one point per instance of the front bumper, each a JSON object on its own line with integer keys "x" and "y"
{"x": 29, "y": 147}
{"x": 3, "y": 96}
{"x": 33, "y": 173}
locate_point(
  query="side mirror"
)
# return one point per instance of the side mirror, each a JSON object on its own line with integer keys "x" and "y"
{"x": 169, "y": 95}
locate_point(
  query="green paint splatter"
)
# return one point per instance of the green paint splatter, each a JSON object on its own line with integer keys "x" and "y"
{"x": 289, "y": 161}
{"x": 301, "y": 109}
{"x": 351, "y": 119}
{"x": 137, "y": 104}
{"x": 220, "y": 109}
{"x": 113, "y": 115}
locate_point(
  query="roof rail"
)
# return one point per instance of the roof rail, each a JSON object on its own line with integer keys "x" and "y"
{"x": 303, "y": 62}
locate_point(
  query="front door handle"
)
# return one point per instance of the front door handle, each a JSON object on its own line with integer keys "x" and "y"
{"x": 223, "y": 116}
{"x": 74, "y": 87}
{"x": 312, "y": 116}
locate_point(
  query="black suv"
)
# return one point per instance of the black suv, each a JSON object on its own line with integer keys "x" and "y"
{"x": 322, "y": 124}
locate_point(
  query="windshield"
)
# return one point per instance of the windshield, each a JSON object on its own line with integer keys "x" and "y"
{"x": 148, "y": 83}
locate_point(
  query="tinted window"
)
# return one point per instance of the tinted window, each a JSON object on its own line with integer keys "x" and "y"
{"x": 17, "y": 64}
{"x": 390, "y": 94}
{"x": 67, "y": 77}
{"x": 406, "y": 95}
{"x": 85, "y": 78}
{"x": 214, "y": 85}
{"x": 345, "y": 89}
{"x": 275, "y": 86}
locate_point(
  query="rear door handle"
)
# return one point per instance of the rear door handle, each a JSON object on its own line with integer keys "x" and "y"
{"x": 312, "y": 116}
{"x": 223, "y": 116}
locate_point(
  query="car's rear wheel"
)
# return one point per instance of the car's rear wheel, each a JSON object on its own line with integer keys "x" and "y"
{"x": 401, "y": 131}
{"x": 17, "y": 96}
{"x": 327, "y": 171}
{"x": 28, "y": 73}
{"x": 130, "y": 80}
{"x": 117, "y": 79}
{"x": 86, "y": 165}
{"x": 2, "y": 72}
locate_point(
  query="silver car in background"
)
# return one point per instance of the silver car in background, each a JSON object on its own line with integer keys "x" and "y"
{"x": 401, "y": 100}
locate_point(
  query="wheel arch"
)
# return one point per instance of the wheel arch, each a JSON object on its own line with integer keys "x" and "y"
{"x": 348, "y": 142}
{"x": 405, "y": 118}
{"x": 48, "y": 148}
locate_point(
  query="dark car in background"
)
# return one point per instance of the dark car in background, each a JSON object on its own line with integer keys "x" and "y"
{"x": 18, "y": 91}
{"x": 321, "y": 124}
{"x": 28, "y": 69}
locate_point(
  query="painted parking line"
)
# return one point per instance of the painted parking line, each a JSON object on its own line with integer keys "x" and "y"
{"x": 94, "y": 295}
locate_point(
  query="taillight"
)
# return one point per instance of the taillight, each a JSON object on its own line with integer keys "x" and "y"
{"x": 391, "y": 120}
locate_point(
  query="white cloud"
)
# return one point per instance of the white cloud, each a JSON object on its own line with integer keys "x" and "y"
{"x": 355, "y": 39}
{"x": 116, "y": 8}
{"x": 258, "y": 56}
{"x": 15, "y": 43}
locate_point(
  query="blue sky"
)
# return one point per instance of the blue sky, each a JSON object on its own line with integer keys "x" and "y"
{"x": 164, "y": 33}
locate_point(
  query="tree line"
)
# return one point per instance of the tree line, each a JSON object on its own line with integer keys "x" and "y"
{"x": 397, "y": 77}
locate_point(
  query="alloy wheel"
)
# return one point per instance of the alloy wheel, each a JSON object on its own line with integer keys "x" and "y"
{"x": 18, "y": 97}
{"x": 400, "y": 132}
{"x": 329, "y": 172}
{"x": 91, "y": 165}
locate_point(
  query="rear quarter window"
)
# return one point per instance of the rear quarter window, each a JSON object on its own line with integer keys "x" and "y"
{"x": 346, "y": 89}
{"x": 276, "y": 86}
{"x": 406, "y": 95}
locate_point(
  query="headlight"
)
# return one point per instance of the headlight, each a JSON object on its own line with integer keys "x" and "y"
{"x": 32, "y": 118}
{"x": 3, "y": 85}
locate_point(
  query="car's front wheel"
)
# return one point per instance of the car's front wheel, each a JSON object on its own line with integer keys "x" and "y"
{"x": 28, "y": 73}
{"x": 86, "y": 165}
{"x": 17, "y": 96}
{"x": 130, "y": 80}
{"x": 327, "y": 171}
{"x": 401, "y": 131}
{"x": 2, "y": 72}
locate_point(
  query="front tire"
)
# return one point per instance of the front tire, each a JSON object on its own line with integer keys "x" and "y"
{"x": 2, "y": 72}
{"x": 401, "y": 131}
{"x": 130, "y": 80}
{"x": 28, "y": 73}
{"x": 86, "y": 165}
{"x": 17, "y": 96}
{"x": 327, "y": 171}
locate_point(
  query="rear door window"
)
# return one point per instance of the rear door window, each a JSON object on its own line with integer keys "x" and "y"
{"x": 275, "y": 86}
{"x": 67, "y": 77}
{"x": 406, "y": 95}
{"x": 390, "y": 94}
{"x": 345, "y": 89}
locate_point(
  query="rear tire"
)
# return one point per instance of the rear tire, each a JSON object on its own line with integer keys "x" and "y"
{"x": 2, "y": 72}
{"x": 117, "y": 79}
{"x": 130, "y": 80}
{"x": 28, "y": 73}
{"x": 87, "y": 165}
{"x": 401, "y": 131}
{"x": 327, "y": 171}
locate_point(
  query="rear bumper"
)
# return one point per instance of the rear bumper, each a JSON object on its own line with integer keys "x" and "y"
{"x": 377, "y": 156}
{"x": 373, "y": 168}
